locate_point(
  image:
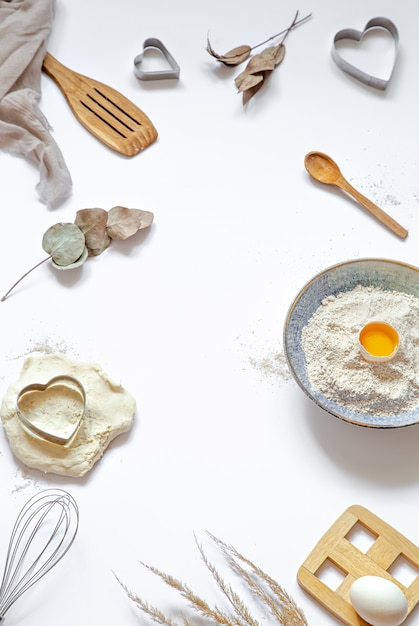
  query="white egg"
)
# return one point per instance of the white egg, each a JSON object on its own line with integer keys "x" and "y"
{"x": 378, "y": 601}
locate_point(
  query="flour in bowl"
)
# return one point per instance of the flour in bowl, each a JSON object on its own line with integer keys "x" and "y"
{"x": 335, "y": 366}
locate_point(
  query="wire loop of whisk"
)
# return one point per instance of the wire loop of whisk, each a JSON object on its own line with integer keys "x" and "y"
{"x": 43, "y": 532}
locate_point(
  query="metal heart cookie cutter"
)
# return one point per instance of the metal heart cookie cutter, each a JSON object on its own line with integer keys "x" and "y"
{"x": 153, "y": 43}
{"x": 37, "y": 405}
{"x": 356, "y": 35}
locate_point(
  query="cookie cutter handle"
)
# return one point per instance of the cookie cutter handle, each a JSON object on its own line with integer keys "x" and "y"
{"x": 173, "y": 72}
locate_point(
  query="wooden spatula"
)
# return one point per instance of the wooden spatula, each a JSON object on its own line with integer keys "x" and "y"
{"x": 102, "y": 110}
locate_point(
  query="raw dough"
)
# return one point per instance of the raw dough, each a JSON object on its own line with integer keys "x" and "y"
{"x": 109, "y": 412}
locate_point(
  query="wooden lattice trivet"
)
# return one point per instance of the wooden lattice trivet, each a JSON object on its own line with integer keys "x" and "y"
{"x": 335, "y": 548}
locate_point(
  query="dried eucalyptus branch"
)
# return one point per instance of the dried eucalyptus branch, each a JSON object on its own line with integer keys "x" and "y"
{"x": 70, "y": 244}
{"x": 276, "y": 599}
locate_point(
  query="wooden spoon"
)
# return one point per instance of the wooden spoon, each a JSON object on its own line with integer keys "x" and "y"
{"x": 106, "y": 113}
{"x": 325, "y": 170}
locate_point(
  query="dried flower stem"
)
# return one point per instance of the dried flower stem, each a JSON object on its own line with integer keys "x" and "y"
{"x": 284, "y": 32}
{"x": 24, "y": 276}
{"x": 239, "y": 54}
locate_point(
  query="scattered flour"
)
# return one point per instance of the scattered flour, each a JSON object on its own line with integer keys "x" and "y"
{"x": 334, "y": 364}
{"x": 274, "y": 364}
{"x": 25, "y": 482}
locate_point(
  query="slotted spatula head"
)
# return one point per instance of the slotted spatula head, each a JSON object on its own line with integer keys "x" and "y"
{"x": 102, "y": 110}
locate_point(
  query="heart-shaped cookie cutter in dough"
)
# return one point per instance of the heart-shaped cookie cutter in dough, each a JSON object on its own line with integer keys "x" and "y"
{"x": 29, "y": 394}
{"x": 172, "y": 72}
{"x": 357, "y": 35}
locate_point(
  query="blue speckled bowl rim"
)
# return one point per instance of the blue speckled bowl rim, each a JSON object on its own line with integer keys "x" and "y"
{"x": 384, "y": 273}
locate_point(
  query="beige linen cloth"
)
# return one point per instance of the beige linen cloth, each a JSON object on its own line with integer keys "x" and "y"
{"x": 24, "y": 130}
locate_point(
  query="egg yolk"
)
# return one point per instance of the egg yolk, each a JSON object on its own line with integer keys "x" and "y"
{"x": 379, "y": 339}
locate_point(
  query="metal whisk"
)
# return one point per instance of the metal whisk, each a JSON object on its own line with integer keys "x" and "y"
{"x": 43, "y": 532}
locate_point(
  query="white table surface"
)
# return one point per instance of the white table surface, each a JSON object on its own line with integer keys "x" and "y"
{"x": 189, "y": 318}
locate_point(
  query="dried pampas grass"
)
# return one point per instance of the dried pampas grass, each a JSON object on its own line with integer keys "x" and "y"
{"x": 264, "y": 589}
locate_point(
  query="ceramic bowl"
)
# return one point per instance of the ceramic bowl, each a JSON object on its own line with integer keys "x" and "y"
{"x": 383, "y": 273}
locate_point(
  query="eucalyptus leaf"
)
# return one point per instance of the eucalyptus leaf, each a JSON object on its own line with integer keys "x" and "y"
{"x": 65, "y": 242}
{"x": 93, "y": 224}
{"x": 268, "y": 59}
{"x": 232, "y": 57}
{"x": 258, "y": 69}
{"x": 71, "y": 266}
{"x": 123, "y": 222}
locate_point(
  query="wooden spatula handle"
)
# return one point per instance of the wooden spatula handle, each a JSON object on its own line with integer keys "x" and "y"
{"x": 64, "y": 78}
{"x": 381, "y": 215}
